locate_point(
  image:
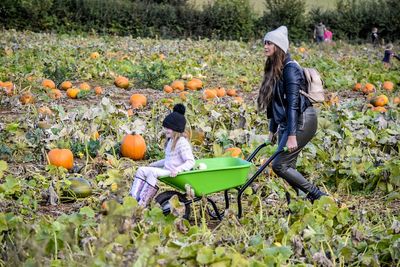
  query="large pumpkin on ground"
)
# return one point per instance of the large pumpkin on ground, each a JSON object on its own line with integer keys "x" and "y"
{"x": 133, "y": 146}
{"x": 121, "y": 82}
{"x": 178, "y": 85}
{"x": 61, "y": 158}
{"x": 49, "y": 84}
{"x": 138, "y": 100}
{"x": 194, "y": 84}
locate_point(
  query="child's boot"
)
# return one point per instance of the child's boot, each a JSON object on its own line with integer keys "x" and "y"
{"x": 137, "y": 187}
{"x": 147, "y": 194}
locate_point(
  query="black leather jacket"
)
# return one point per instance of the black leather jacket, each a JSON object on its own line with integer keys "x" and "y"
{"x": 287, "y": 102}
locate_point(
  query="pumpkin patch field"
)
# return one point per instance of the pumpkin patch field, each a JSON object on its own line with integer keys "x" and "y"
{"x": 79, "y": 114}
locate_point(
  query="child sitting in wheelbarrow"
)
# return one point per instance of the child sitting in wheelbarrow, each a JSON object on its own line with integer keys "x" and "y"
{"x": 178, "y": 158}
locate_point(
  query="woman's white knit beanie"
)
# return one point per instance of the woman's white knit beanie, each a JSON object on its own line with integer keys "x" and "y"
{"x": 279, "y": 37}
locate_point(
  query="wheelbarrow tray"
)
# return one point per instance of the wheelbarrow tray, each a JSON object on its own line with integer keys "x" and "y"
{"x": 221, "y": 174}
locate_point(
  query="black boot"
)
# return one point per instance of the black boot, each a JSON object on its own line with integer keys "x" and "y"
{"x": 315, "y": 194}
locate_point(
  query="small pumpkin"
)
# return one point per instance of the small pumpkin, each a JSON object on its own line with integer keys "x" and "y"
{"x": 302, "y": 49}
{"x": 209, "y": 94}
{"x": 388, "y": 86}
{"x": 45, "y": 111}
{"x": 138, "y": 100}
{"x": 396, "y": 100}
{"x": 8, "y": 86}
{"x": 357, "y": 87}
{"x": 231, "y": 92}
{"x": 84, "y": 86}
{"x": 168, "y": 89}
{"x": 379, "y": 101}
{"x": 234, "y": 152}
{"x": 379, "y": 109}
{"x": 48, "y": 84}
{"x": 121, "y": 82}
{"x": 94, "y": 55}
{"x": 73, "y": 92}
{"x": 55, "y": 94}
{"x": 98, "y": 90}
{"x": 66, "y": 85}
{"x": 178, "y": 85}
{"x": 133, "y": 146}
{"x": 368, "y": 88}
{"x": 194, "y": 84}
{"x": 61, "y": 158}
{"x": 221, "y": 92}
{"x": 27, "y": 98}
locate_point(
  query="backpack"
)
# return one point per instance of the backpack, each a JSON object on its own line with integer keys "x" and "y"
{"x": 314, "y": 85}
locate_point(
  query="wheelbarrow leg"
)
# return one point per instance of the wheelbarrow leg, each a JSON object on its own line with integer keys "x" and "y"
{"x": 218, "y": 215}
{"x": 226, "y": 199}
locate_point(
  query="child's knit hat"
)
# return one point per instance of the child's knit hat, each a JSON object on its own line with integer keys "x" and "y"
{"x": 176, "y": 120}
{"x": 279, "y": 37}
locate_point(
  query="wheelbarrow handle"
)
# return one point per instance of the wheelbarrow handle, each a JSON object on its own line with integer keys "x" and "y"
{"x": 256, "y": 174}
{"x": 266, "y": 143}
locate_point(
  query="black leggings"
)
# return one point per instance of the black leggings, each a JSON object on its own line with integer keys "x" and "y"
{"x": 284, "y": 164}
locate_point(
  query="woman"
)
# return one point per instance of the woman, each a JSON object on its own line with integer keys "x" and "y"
{"x": 291, "y": 114}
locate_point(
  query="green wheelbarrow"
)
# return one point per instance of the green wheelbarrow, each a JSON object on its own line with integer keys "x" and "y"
{"x": 222, "y": 174}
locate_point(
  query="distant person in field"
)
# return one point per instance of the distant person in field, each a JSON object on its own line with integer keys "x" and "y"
{"x": 328, "y": 35}
{"x": 388, "y": 55}
{"x": 293, "y": 119}
{"x": 374, "y": 37}
{"x": 319, "y": 31}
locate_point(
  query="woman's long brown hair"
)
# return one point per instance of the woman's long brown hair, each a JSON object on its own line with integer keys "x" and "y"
{"x": 272, "y": 73}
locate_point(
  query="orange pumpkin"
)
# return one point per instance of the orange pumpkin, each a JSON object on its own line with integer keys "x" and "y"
{"x": 388, "y": 86}
{"x": 48, "y": 84}
{"x": 73, "y": 92}
{"x": 178, "y": 85}
{"x": 168, "y": 89}
{"x": 61, "y": 158}
{"x": 209, "y": 94}
{"x": 194, "y": 84}
{"x": 368, "y": 88}
{"x": 94, "y": 55}
{"x": 168, "y": 102}
{"x": 396, "y": 100}
{"x": 84, "y": 86}
{"x": 55, "y": 94}
{"x": 133, "y": 146}
{"x": 234, "y": 152}
{"x": 302, "y": 49}
{"x": 379, "y": 109}
{"x": 66, "y": 85}
{"x": 98, "y": 90}
{"x": 231, "y": 92}
{"x": 138, "y": 100}
{"x": 9, "y": 87}
{"x": 357, "y": 87}
{"x": 221, "y": 92}
{"x": 45, "y": 111}
{"x": 27, "y": 98}
{"x": 121, "y": 82}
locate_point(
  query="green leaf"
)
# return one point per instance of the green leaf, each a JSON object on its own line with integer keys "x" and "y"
{"x": 3, "y": 167}
{"x": 89, "y": 212}
{"x": 205, "y": 255}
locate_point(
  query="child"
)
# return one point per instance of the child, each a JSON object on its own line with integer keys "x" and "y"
{"x": 388, "y": 55}
{"x": 328, "y": 35}
{"x": 374, "y": 36}
{"x": 178, "y": 158}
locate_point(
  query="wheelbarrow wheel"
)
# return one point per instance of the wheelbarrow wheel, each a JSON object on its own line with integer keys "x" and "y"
{"x": 163, "y": 200}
